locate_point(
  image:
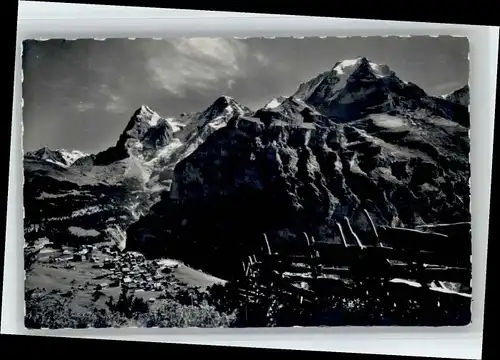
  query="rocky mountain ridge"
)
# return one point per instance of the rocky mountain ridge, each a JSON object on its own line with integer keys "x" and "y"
{"x": 61, "y": 157}
{"x": 102, "y": 193}
{"x": 460, "y": 96}
{"x": 203, "y": 187}
{"x": 326, "y": 153}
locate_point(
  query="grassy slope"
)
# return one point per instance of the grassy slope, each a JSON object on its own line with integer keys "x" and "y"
{"x": 72, "y": 290}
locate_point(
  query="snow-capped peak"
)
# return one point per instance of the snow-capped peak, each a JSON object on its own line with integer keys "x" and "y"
{"x": 218, "y": 114}
{"x": 60, "y": 157}
{"x": 329, "y": 84}
{"x": 145, "y": 113}
{"x": 227, "y": 98}
{"x": 152, "y": 118}
{"x": 275, "y": 102}
{"x": 146, "y": 109}
{"x": 347, "y": 67}
{"x": 70, "y": 156}
{"x": 223, "y": 101}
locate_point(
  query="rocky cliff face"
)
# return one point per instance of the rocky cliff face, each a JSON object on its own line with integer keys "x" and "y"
{"x": 73, "y": 206}
{"x": 460, "y": 96}
{"x": 72, "y": 197}
{"x": 354, "y": 138}
{"x": 199, "y": 126}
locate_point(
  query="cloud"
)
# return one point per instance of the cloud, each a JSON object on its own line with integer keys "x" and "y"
{"x": 82, "y": 106}
{"x": 114, "y": 103}
{"x": 115, "y": 107}
{"x": 262, "y": 59}
{"x": 196, "y": 63}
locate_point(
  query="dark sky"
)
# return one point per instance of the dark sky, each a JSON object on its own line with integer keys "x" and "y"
{"x": 80, "y": 94}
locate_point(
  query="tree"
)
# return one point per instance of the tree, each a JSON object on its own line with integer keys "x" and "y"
{"x": 30, "y": 257}
{"x": 128, "y": 305}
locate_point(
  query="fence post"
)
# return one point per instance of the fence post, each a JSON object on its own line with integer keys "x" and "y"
{"x": 342, "y": 235}
{"x": 374, "y": 228}
{"x": 360, "y": 244}
{"x": 314, "y": 252}
{"x": 247, "y": 272}
{"x": 307, "y": 239}
{"x": 267, "y": 244}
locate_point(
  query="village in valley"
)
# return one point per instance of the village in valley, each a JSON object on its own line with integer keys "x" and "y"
{"x": 92, "y": 274}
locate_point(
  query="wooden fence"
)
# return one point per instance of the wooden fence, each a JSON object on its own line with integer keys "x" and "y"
{"x": 409, "y": 261}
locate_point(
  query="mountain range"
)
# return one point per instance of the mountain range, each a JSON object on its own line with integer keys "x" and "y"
{"x": 204, "y": 187}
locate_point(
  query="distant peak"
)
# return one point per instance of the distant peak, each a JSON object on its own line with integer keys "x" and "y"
{"x": 348, "y": 63}
{"x": 44, "y": 150}
{"x": 349, "y": 66}
{"x": 62, "y": 157}
{"x": 145, "y": 109}
{"x": 224, "y": 107}
{"x": 460, "y": 96}
{"x": 144, "y": 112}
{"x": 223, "y": 101}
{"x": 463, "y": 88}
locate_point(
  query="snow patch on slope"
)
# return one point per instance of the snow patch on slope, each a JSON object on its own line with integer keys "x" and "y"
{"x": 388, "y": 121}
{"x": 118, "y": 236}
{"x": 380, "y": 71}
{"x": 346, "y": 66}
{"x": 70, "y": 156}
{"x": 176, "y": 125}
{"x": 86, "y": 211}
{"x": 220, "y": 121}
{"x": 164, "y": 154}
{"x": 272, "y": 104}
{"x": 58, "y": 163}
{"x": 275, "y": 102}
{"x": 78, "y": 231}
{"x": 153, "y": 121}
{"x": 45, "y": 195}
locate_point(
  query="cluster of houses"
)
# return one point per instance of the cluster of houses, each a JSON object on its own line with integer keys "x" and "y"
{"x": 130, "y": 269}
{"x": 133, "y": 271}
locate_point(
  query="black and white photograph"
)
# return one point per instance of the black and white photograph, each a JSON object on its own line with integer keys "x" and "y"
{"x": 246, "y": 183}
